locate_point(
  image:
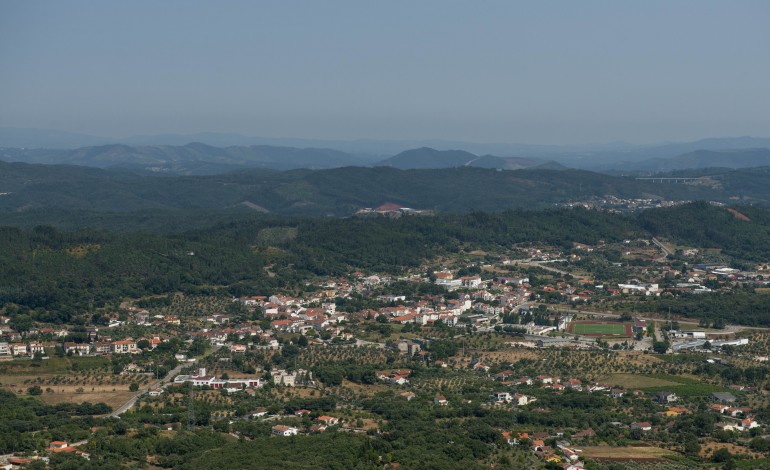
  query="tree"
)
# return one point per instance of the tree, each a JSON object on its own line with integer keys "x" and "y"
{"x": 691, "y": 447}
{"x": 759, "y": 444}
{"x": 37, "y": 358}
{"x": 722, "y": 455}
{"x": 35, "y": 390}
{"x": 660, "y": 347}
{"x": 133, "y": 387}
{"x": 143, "y": 344}
{"x": 290, "y": 351}
{"x": 199, "y": 346}
{"x": 36, "y": 465}
{"x": 21, "y": 323}
{"x": 302, "y": 341}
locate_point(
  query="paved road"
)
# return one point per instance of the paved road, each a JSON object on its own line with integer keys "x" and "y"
{"x": 658, "y": 333}
{"x": 542, "y": 265}
{"x": 130, "y": 403}
{"x": 666, "y": 251}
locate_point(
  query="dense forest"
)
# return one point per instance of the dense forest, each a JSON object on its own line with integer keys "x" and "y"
{"x": 701, "y": 224}
{"x": 54, "y": 275}
{"x": 342, "y": 191}
{"x": 74, "y": 271}
{"x": 23, "y": 420}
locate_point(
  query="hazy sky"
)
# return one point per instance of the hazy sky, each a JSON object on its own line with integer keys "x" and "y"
{"x": 486, "y": 71}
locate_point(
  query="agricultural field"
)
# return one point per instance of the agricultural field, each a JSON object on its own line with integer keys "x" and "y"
{"x": 70, "y": 380}
{"x": 504, "y": 356}
{"x": 682, "y": 385}
{"x": 636, "y": 453}
{"x": 54, "y": 365}
{"x": 640, "y": 381}
{"x": 589, "y": 328}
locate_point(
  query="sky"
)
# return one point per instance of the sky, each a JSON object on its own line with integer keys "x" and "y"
{"x": 539, "y": 72}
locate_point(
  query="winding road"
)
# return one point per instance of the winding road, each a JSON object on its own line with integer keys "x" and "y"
{"x": 666, "y": 251}
{"x": 130, "y": 403}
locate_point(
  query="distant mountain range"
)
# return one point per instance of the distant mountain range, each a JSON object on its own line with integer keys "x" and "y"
{"x": 599, "y": 156}
{"x": 213, "y": 153}
{"x": 201, "y": 159}
{"x": 46, "y": 138}
{"x": 191, "y": 159}
{"x": 51, "y": 189}
{"x": 740, "y": 158}
{"x": 426, "y": 158}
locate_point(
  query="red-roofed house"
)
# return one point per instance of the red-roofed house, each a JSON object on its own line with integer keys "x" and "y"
{"x": 328, "y": 420}
{"x": 126, "y": 346}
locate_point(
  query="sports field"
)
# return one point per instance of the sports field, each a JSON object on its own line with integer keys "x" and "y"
{"x": 588, "y": 328}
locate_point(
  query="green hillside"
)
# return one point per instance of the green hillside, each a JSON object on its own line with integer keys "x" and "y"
{"x": 51, "y": 269}
{"x": 342, "y": 191}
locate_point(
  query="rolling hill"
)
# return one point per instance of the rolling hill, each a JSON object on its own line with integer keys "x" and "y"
{"x": 342, "y": 191}
{"x": 735, "y": 158}
{"x": 427, "y": 158}
{"x": 146, "y": 154}
{"x": 191, "y": 159}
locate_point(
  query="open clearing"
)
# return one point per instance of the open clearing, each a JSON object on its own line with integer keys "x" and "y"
{"x": 632, "y": 381}
{"x": 682, "y": 385}
{"x": 506, "y": 356}
{"x": 357, "y": 388}
{"x": 113, "y": 399}
{"x": 90, "y": 381}
{"x": 708, "y": 450}
{"x": 615, "y": 454}
{"x": 113, "y": 395}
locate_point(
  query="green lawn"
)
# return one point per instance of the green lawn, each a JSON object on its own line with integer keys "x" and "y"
{"x": 685, "y": 386}
{"x": 599, "y": 329}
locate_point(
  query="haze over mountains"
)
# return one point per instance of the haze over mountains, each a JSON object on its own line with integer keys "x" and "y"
{"x": 212, "y": 153}
{"x": 117, "y": 177}
{"x": 190, "y": 159}
{"x": 426, "y": 158}
{"x": 735, "y": 158}
{"x": 47, "y": 190}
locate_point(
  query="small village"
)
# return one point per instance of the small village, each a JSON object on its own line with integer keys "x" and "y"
{"x": 519, "y": 332}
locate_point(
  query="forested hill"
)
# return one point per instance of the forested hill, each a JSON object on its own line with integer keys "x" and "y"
{"x": 342, "y": 191}
{"x": 741, "y": 158}
{"x": 426, "y": 158}
{"x": 50, "y": 269}
{"x": 743, "y": 233}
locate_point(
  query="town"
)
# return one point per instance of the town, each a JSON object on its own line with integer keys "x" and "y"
{"x": 584, "y": 368}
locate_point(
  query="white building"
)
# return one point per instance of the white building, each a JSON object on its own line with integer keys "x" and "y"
{"x": 283, "y": 430}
